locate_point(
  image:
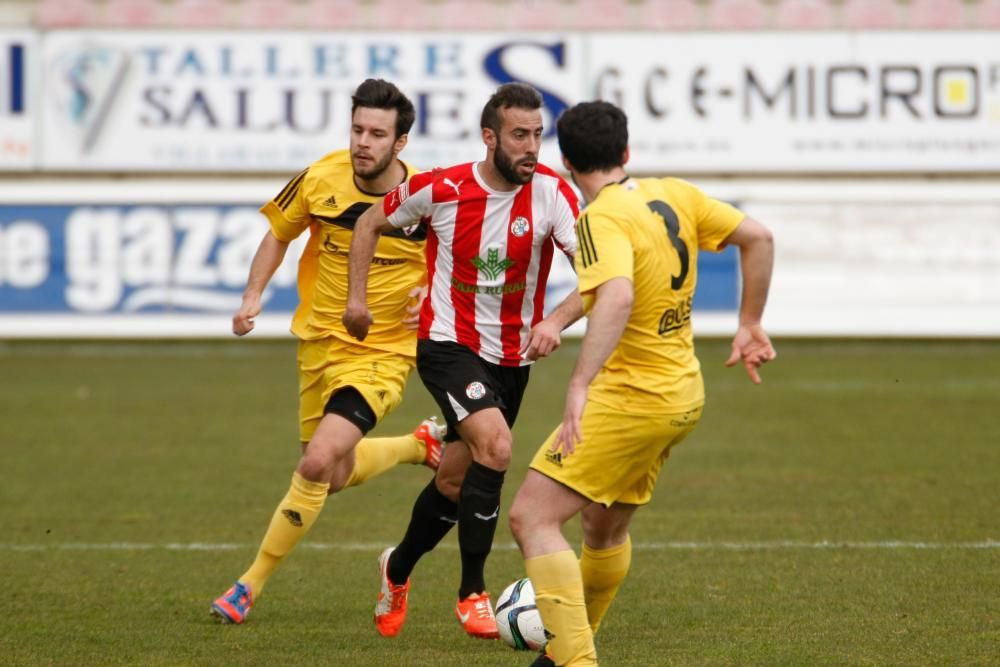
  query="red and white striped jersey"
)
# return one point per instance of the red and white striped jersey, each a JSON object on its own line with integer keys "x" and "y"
{"x": 488, "y": 254}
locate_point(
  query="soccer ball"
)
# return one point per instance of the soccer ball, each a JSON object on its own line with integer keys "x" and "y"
{"x": 518, "y": 619}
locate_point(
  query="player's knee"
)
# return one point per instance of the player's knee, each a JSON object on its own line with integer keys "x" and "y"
{"x": 495, "y": 453}
{"x": 312, "y": 470}
{"x": 316, "y": 465}
{"x": 520, "y": 519}
{"x": 603, "y": 530}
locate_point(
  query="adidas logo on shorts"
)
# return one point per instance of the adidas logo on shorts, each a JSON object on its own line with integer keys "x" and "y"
{"x": 555, "y": 458}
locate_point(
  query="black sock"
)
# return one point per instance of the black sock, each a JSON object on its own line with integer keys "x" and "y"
{"x": 433, "y": 516}
{"x": 478, "y": 513}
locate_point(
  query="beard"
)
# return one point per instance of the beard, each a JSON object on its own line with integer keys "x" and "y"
{"x": 375, "y": 170}
{"x": 508, "y": 169}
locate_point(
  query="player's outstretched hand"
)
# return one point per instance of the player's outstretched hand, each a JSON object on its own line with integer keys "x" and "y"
{"x": 243, "y": 320}
{"x": 412, "y": 317}
{"x": 752, "y": 346}
{"x": 543, "y": 340}
{"x": 357, "y": 320}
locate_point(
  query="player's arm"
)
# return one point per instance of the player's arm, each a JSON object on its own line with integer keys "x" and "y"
{"x": 605, "y": 325}
{"x": 546, "y": 336}
{"x": 751, "y": 344}
{"x": 266, "y": 261}
{"x": 367, "y": 230}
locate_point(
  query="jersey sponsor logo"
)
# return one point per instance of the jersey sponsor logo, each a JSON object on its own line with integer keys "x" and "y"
{"x": 493, "y": 266}
{"x": 675, "y": 318}
{"x": 475, "y": 390}
{"x": 330, "y": 202}
{"x": 520, "y": 226}
{"x": 331, "y": 247}
{"x": 493, "y": 290}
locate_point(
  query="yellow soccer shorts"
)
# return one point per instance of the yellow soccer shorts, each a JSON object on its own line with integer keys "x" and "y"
{"x": 620, "y": 456}
{"x": 329, "y": 364}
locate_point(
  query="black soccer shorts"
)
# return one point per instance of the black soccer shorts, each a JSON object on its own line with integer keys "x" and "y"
{"x": 462, "y": 383}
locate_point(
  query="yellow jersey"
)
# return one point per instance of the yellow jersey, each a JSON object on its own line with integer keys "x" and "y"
{"x": 649, "y": 231}
{"x": 326, "y": 200}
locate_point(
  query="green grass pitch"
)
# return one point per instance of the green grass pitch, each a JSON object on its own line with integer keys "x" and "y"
{"x": 846, "y": 512}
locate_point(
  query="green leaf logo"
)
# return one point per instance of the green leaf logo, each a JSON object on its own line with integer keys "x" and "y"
{"x": 493, "y": 266}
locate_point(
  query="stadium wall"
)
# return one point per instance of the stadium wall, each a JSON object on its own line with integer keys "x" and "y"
{"x": 156, "y": 258}
{"x": 133, "y": 161}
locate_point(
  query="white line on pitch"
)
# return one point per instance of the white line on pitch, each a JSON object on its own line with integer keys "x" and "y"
{"x": 778, "y": 545}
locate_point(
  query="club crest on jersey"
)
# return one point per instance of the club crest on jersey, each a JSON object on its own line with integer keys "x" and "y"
{"x": 520, "y": 226}
{"x": 475, "y": 390}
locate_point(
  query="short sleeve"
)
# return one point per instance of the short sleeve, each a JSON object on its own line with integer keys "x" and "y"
{"x": 288, "y": 212}
{"x": 715, "y": 219}
{"x": 604, "y": 252}
{"x": 410, "y": 201}
{"x": 567, "y": 210}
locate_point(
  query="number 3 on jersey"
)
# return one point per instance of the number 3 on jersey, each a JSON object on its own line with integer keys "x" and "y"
{"x": 673, "y": 226}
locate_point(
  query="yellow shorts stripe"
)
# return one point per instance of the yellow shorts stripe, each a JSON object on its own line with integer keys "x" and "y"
{"x": 620, "y": 456}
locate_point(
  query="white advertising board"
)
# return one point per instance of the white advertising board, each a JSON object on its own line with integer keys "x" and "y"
{"x": 881, "y": 259}
{"x": 809, "y": 101}
{"x": 750, "y": 102}
{"x": 18, "y": 99}
{"x": 272, "y": 102}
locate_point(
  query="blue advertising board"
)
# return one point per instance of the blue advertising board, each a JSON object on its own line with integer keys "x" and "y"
{"x": 108, "y": 264}
{"x": 148, "y": 258}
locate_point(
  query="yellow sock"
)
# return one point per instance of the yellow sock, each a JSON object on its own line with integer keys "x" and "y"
{"x": 559, "y": 596}
{"x": 603, "y": 571}
{"x": 373, "y": 456}
{"x": 293, "y": 518}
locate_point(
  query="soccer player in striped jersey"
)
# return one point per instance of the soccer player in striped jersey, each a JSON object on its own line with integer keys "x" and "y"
{"x": 345, "y": 386}
{"x": 636, "y": 390}
{"x": 492, "y": 229}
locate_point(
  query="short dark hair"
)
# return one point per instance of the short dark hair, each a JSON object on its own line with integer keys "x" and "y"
{"x": 593, "y": 136}
{"x": 510, "y": 95}
{"x": 380, "y": 94}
